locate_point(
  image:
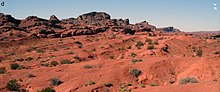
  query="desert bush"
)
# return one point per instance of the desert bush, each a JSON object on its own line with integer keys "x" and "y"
{"x": 188, "y": 80}
{"x": 108, "y": 84}
{"x": 156, "y": 43}
{"x": 40, "y": 51}
{"x": 129, "y": 47}
{"x": 48, "y": 89}
{"x": 139, "y": 44}
{"x": 80, "y": 46}
{"x": 136, "y": 60}
{"x": 135, "y": 72}
{"x": 153, "y": 84}
{"x": 76, "y": 57}
{"x": 30, "y": 76}
{"x": 148, "y": 40}
{"x": 199, "y": 53}
{"x": 65, "y": 62}
{"x": 29, "y": 59}
{"x": 217, "y": 52}
{"x": 55, "y": 82}
{"x": 91, "y": 82}
{"x": 150, "y": 47}
{"x": 46, "y": 65}
{"x": 133, "y": 55}
{"x": 71, "y": 53}
{"x": 94, "y": 50}
{"x": 88, "y": 66}
{"x": 12, "y": 85}
{"x": 15, "y": 66}
{"x": 142, "y": 85}
{"x": 54, "y": 63}
{"x": 2, "y": 70}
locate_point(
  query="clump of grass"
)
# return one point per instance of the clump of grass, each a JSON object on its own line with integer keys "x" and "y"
{"x": 29, "y": 59}
{"x": 94, "y": 50}
{"x": 150, "y": 47}
{"x": 136, "y": 60}
{"x": 65, "y": 62}
{"x": 48, "y": 89}
{"x": 148, "y": 40}
{"x": 55, "y": 82}
{"x": 133, "y": 55}
{"x": 199, "y": 53}
{"x": 217, "y": 52}
{"x": 91, "y": 82}
{"x": 135, "y": 72}
{"x": 31, "y": 75}
{"x": 2, "y": 70}
{"x": 15, "y": 66}
{"x": 156, "y": 43}
{"x": 41, "y": 51}
{"x": 88, "y": 66}
{"x": 188, "y": 80}
{"x": 76, "y": 57}
{"x": 54, "y": 63}
{"x": 71, "y": 53}
{"x": 139, "y": 44}
{"x": 12, "y": 85}
{"x": 153, "y": 84}
{"x": 108, "y": 84}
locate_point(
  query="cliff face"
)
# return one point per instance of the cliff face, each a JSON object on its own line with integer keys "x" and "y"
{"x": 85, "y": 24}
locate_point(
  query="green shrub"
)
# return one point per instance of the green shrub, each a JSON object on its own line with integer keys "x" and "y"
{"x": 91, "y": 82}
{"x": 29, "y": 59}
{"x": 15, "y": 66}
{"x": 12, "y": 85}
{"x": 139, "y": 44}
{"x": 153, "y": 84}
{"x": 136, "y": 60}
{"x": 148, "y": 40}
{"x": 30, "y": 76}
{"x": 65, "y": 62}
{"x": 150, "y": 47}
{"x": 71, "y": 53}
{"x": 47, "y": 90}
{"x": 135, "y": 72}
{"x": 54, "y": 63}
{"x": 217, "y": 52}
{"x": 108, "y": 84}
{"x": 2, "y": 70}
{"x": 133, "y": 55}
{"x": 199, "y": 53}
{"x": 55, "y": 82}
{"x": 40, "y": 51}
{"x": 76, "y": 57}
{"x": 88, "y": 66}
{"x": 156, "y": 43}
{"x": 188, "y": 80}
{"x": 94, "y": 50}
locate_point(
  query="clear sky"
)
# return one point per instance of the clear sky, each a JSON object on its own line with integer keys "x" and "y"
{"x": 187, "y": 15}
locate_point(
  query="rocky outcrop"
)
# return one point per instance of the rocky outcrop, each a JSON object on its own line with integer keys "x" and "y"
{"x": 86, "y": 24}
{"x": 169, "y": 29}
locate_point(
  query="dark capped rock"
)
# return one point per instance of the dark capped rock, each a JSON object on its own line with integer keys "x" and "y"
{"x": 94, "y": 16}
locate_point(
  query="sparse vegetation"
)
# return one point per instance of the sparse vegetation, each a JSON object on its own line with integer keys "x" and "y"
{"x": 156, "y": 43}
{"x": 2, "y": 70}
{"x": 88, "y": 66}
{"x": 139, "y": 44}
{"x": 30, "y": 76}
{"x": 149, "y": 41}
{"x": 29, "y": 59}
{"x": 80, "y": 46}
{"x": 150, "y": 47}
{"x": 48, "y": 89}
{"x": 133, "y": 55}
{"x": 41, "y": 51}
{"x": 124, "y": 88}
{"x": 55, "y": 82}
{"x": 142, "y": 85}
{"x": 54, "y": 63}
{"x": 76, "y": 57}
{"x": 129, "y": 47}
{"x": 153, "y": 84}
{"x": 15, "y": 66}
{"x": 217, "y": 52}
{"x": 71, "y": 53}
{"x": 65, "y": 62}
{"x": 188, "y": 80}
{"x": 108, "y": 84}
{"x": 136, "y": 60}
{"x": 135, "y": 72}
{"x": 111, "y": 57}
{"x": 94, "y": 50}
{"x": 12, "y": 85}
{"x": 91, "y": 82}
{"x": 199, "y": 53}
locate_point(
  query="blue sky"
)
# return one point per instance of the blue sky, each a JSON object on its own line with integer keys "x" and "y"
{"x": 187, "y": 15}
